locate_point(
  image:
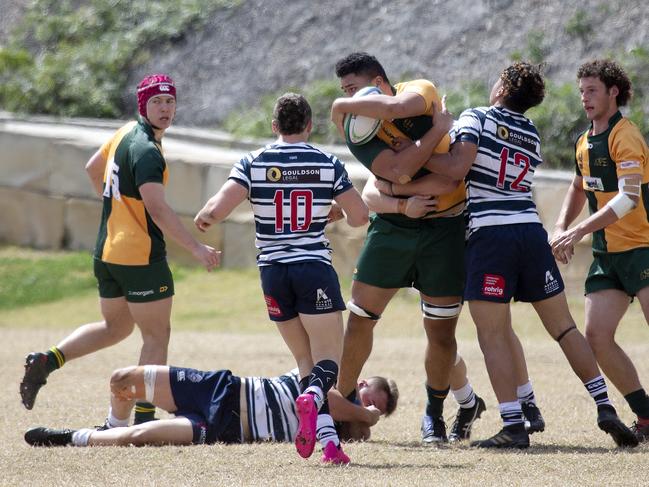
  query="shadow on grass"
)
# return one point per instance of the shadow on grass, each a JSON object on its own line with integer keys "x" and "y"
{"x": 534, "y": 449}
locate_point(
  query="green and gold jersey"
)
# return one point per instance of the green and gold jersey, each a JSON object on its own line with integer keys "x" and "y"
{"x": 127, "y": 234}
{"x": 412, "y": 128}
{"x": 600, "y": 160}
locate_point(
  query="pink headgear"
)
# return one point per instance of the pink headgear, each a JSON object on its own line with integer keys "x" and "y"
{"x": 153, "y": 85}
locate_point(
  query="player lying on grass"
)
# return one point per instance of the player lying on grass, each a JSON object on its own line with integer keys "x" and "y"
{"x": 217, "y": 406}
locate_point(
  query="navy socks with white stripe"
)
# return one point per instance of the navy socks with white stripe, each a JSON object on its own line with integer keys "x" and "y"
{"x": 323, "y": 377}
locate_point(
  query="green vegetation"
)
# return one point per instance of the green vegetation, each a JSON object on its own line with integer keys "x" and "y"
{"x": 255, "y": 121}
{"x": 31, "y": 277}
{"x": 79, "y": 56}
{"x": 579, "y": 26}
{"x": 74, "y": 60}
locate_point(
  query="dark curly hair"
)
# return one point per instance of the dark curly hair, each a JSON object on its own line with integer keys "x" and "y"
{"x": 292, "y": 113}
{"x": 360, "y": 63}
{"x": 523, "y": 86}
{"x": 611, "y": 74}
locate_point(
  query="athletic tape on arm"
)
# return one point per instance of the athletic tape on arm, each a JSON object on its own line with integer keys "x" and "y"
{"x": 626, "y": 198}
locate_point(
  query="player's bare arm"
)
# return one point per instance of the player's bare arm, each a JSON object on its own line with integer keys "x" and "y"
{"x": 382, "y": 107}
{"x": 95, "y": 167}
{"x": 153, "y": 197}
{"x": 426, "y": 186}
{"x": 456, "y": 163}
{"x": 413, "y": 207}
{"x": 344, "y": 410}
{"x": 626, "y": 200}
{"x": 219, "y": 206}
{"x": 354, "y": 208}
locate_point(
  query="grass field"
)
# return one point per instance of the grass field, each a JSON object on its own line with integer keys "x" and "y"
{"x": 219, "y": 322}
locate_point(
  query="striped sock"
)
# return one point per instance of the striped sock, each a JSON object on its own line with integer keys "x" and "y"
{"x": 55, "y": 359}
{"x": 511, "y": 413}
{"x": 326, "y": 431}
{"x": 525, "y": 393}
{"x": 598, "y": 391}
{"x": 465, "y": 396}
{"x": 317, "y": 394}
{"x": 144, "y": 411}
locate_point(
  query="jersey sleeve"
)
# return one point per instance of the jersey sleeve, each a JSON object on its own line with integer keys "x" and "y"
{"x": 628, "y": 150}
{"x": 341, "y": 179}
{"x": 105, "y": 148}
{"x": 241, "y": 172}
{"x": 148, "y": 166}
{"x": 468, "y": 127}
{"x": 366, "y": 153}
{"x": 425, "y": 89}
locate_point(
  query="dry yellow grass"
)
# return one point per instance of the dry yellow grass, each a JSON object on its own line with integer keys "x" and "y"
{"x": 219, "y": 322}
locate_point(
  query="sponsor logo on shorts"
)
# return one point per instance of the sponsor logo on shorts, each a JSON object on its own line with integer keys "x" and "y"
{"x": 163, "y": 288}
{"x": 551, "y": 284}
{"x": 493, "y": 285}
{"x": 202, "y": 437}
{"x": 322, "y": 301}
{"x": 195, "y": 377}
{"x": 181, "y": 376}
{"x": 148, "y": 292}
{"x": 273, "y": 306}
{"x": 644, "y": 274}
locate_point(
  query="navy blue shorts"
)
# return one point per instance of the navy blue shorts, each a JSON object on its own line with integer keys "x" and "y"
{"x": 310, "y": 287}
{"x": 511, "y": 261}
{"x": 210, "y": 400}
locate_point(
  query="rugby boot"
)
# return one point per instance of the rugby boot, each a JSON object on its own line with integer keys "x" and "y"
{"x": 307, "y": 414}
{"x": 334, "y": 454}
{"x": 640, "y": 429}
{"x": 461, "y": 429}
{"x": 433, "y": 430}
{"x": 534, "y": 422}
{"x": 42, "y": 436}
{"x": 35, "y": 377}
{"x": 513, "y": 436}
{"x": 609, "y": 422}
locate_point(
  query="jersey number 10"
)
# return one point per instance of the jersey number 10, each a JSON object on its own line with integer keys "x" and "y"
{"x": 300, "y": 206}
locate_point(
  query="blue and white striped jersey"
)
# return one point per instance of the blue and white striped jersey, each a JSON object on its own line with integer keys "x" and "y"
{"x": 290, "y": 188}
{"x": 271, "y": 406}
{"x": 498, "y": 185}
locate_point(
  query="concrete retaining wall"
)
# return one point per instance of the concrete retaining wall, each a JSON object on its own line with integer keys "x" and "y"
{"x": 46, "y": 199}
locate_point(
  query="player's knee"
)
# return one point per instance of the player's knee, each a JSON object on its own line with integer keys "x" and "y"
{"x": 361, "y": 311}
{"x": 157, "y": 335}
{"x": 123, "y": 377}
{"x": 597, "y": 339}
{"x": 440, "y": 311}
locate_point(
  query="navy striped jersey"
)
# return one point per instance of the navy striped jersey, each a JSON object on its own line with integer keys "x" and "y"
{"x": 499, "y": 183}
{"x": 271, "y": 406}
{"x": 290, "y": 188}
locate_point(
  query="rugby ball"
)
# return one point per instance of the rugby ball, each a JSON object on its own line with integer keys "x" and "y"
{"x": 358, "y": 129}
